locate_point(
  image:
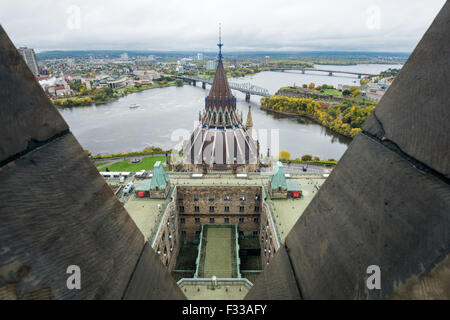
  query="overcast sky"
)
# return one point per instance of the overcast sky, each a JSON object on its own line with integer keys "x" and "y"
{"x": 348, "y": 25}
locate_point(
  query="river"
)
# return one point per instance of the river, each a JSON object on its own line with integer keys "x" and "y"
{"x": 167, "y": 115}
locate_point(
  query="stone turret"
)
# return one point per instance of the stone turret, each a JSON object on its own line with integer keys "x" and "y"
{"x": 249, "y": 123}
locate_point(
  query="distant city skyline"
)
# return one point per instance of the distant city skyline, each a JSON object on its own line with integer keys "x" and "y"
{"x": 282, "y": 25}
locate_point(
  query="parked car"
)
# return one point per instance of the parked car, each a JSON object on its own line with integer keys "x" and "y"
{"x": 128, "y": 188}
{"x": 141, "y": 174}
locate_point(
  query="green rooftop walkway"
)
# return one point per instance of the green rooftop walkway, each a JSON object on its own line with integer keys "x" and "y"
{"x": 218, "y": 252}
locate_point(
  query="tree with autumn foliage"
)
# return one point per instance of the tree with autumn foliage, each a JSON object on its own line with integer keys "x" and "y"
{"x": 283, "y": 156}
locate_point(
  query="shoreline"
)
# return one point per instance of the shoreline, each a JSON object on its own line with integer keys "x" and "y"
{"x": 112, "y": 99}
{"x": 307, "y": 116}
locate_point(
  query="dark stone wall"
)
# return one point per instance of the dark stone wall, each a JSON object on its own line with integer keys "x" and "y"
{"x": 414, "y": 112}
{"x": 56, "y": 210}
{"x": 27, "y": 116}
{"x": 387, "y": 202}
{"x": 143, "y": 285}
{"x": 276, "y": 282}
{"x": 389, "y": 214}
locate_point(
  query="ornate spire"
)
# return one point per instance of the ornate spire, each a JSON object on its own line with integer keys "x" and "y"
{"x": 220, "y": 104}
{"x": 220, "y": 44}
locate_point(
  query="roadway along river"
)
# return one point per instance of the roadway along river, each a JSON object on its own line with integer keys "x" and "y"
{"x": 167, "y": 115}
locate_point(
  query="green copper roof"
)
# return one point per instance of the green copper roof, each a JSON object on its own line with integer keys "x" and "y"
{"x": 277, "y": 179}
{"x": 159, "y": 178}
{"x": 144, "y": 185}
{"x": 293, "y": 186}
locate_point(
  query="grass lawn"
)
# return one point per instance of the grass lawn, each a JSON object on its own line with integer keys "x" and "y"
{"x": 145, "y": 164}
{"x": 365, "y": 100}
{"x": 334, "y": 92}
{"x": 98, "y": 164}
{"x": 338, "y": 93}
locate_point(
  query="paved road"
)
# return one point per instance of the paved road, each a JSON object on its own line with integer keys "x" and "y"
{"x": 298, "y": 168}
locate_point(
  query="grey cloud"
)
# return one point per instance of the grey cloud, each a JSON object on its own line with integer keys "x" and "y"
{"x": 192, "y": 25}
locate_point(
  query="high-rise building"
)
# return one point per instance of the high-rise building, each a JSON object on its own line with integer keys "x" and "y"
{"x": 30, "y": 58}
{"x": 210, "y": 65}
{"x": 266, "y": 60}
{"x": 199, "y": 56}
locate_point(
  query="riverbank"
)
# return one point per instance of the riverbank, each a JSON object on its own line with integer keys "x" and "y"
{"x": 114, "y": 127}
{"x": 345, "y": 119}
{"x": 155, "y": 151}
{"x": 107, "y": 97}
{"x": 327, "y": 93}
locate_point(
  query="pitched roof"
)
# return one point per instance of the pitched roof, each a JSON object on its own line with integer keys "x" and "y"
{"x": 277, "y": 178}
{"x": 220, "y": 86}
{"x": 144, "y": 185}
{"x": 159, "y": 178}
{"x": 220, "y": 146}
{"x": 293, "y": 186}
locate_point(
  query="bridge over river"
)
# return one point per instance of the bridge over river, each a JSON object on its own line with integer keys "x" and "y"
{"x": 250, "y": 89}
{"x": 330, "y": 72}
{"x": 247, "y": 88}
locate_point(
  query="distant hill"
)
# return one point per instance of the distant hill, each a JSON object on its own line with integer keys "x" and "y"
{"x": 211, "y": 55}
